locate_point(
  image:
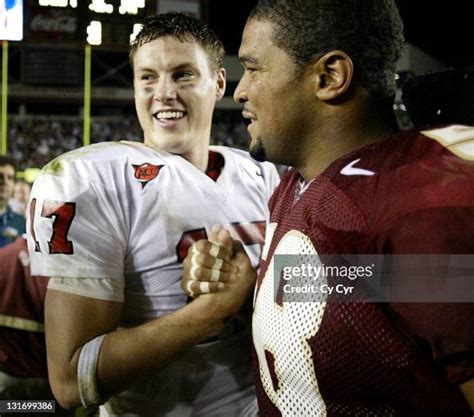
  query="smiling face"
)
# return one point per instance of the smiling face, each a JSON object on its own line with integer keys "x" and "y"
{"x": 175, "y": 95}
{"x": 274, "y": 97}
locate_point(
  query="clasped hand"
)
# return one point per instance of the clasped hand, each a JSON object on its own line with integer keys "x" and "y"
{"x": 219, "y": 267}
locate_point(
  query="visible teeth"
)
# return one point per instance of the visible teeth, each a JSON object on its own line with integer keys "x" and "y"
{"x": 170, "y": 115}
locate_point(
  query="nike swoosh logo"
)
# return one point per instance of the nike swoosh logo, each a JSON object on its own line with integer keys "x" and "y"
{"x": 349, "y": 170}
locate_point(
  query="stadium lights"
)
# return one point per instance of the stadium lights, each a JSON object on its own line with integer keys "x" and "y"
{"x": 100, "y": 6}
{"x": 137, "y": 27}
{"x": 94, "y": 33}
{"x": 58, "y": 3}
{"x": 131, "y": 6}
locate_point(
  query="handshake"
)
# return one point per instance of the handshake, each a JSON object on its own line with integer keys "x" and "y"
{"x": 219, "y": 268}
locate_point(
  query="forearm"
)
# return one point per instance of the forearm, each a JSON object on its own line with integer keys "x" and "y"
{"x": 136, "y": 353}
{"x": 126, "y": 355}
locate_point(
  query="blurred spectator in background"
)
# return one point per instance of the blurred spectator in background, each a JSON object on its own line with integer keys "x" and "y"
{"x": 12, "y": 224}
{"x": 23, "y": 371}
{"x": 34, "y": 142}
{"x": 21, "y": 193}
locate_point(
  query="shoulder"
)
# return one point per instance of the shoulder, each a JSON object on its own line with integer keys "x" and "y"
{"x": 101, "y": 155}
{"x": 412, "y": 150}
{"x": 285, "y": 191}
{"x": 457, "y": 139}
{"x": 244, "y": 161}
{"x": 407, "y": 163}
{"x": 104, "y": 164}
{"x": 421, "y": 182}
{"x": 234, "y": 156}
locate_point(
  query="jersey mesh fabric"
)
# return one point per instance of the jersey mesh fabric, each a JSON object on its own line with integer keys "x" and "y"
{"x": 364, "y": 360}
{"x": 279, "y": 327}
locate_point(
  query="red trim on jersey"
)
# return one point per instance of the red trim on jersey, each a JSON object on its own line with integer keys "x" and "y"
{"x": 215, "y": 165}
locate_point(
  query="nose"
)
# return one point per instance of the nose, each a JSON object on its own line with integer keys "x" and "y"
{"x": 240, "y": 93}
{"x": 165, "y": 90}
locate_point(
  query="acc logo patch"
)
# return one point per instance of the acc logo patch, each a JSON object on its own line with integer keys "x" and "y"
{"x": 146, "y": 172}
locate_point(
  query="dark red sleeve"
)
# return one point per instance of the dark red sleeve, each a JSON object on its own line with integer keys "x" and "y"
{"x": 22, "y": 352}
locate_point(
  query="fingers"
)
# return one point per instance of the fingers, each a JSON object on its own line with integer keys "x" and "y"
{"x": 224, "y": 240}
{"x": 206, "y": 261}
{"x": 208, "y": 264}
{"x": 205, "y": 267}
{"x": 196, "y": 273}
{"x": 212, "y": 249}
{"x": 194, "y": 288}
{"x": 214, "y": 232}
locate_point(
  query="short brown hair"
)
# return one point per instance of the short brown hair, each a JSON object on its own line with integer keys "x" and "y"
{"x": 185, "y": 29}
{"x": 6, "y": 160}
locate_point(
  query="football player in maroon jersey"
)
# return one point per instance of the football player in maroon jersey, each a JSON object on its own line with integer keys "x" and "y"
{"x": 318, "y": 90}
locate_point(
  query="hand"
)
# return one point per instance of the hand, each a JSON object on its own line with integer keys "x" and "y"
{"x": 208, "y": 265}
{"x": 221, "y": 267}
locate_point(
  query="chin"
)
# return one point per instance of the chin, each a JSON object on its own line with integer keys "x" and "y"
{"x": 257, "y": 150}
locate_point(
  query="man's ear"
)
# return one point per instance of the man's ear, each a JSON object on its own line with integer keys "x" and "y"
{"x": 220, "y": 84}
{"x": 332, "y": 75}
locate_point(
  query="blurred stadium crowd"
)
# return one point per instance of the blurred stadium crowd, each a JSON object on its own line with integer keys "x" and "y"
{"x": 35, "y": 140}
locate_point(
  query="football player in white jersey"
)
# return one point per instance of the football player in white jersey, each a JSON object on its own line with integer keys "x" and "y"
{"x": 112, "y": 222}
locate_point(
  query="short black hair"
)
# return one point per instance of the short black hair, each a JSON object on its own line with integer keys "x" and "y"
{"x": 6, "y": 160}
{"x": 184, "y": 28}
{"x": 369, "y": 31}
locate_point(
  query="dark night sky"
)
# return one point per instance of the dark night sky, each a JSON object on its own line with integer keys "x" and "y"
{"x": 443, "y": 29}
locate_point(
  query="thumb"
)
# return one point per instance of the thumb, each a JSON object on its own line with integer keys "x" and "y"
{"x": 214, "y": 232}
{"x": 224, "y": 239}
{"x": 238, "y": 248}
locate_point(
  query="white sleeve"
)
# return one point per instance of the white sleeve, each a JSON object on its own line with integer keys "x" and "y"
{"x": 100, "y": 289}
{"x": 77, "y": 227}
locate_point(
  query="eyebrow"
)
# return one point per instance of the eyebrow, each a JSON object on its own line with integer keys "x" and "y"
{"x": 247, "y": 59}
{"x": 184, "y": 66}
{"x": 143, "y": 69}
{"x": 179, "y": 67}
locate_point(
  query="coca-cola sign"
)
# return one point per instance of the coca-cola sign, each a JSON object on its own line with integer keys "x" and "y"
{"x": 53, "y": 24}
{"x": 50, "y": 23}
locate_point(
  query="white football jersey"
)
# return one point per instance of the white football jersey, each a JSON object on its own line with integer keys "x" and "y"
{"x": 128, "y": 213}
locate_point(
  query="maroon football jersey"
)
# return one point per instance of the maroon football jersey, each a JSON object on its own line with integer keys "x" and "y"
{"x": 411, "y": 194}
{"x": 22, "y": 342}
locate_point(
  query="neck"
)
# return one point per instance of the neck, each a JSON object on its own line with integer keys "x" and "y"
{"x": 198, "y": 154}
{"x": 344, "y": 132}
{"x": 199, "y": 158}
